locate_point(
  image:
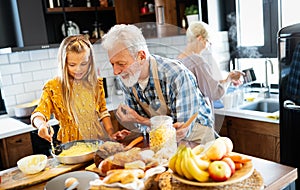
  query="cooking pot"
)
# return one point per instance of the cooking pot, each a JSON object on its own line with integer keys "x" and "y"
{"x": 25, "y": 110}
{"x": 74, "y": 159}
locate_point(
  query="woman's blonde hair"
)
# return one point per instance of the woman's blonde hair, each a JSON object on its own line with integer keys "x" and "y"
{"x": 77, "y": 44}
{"x": 196, "y": 29}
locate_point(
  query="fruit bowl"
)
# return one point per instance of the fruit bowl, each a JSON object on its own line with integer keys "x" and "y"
{"x": 32, "y": 164}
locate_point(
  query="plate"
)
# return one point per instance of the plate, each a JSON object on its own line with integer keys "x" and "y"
{"x": 71, "y": 30}
{"x": 83, "y": 177}
{"x": 241, "y": 174}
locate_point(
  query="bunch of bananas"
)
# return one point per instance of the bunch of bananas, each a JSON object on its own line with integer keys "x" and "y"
{"x": 186, "y": 164}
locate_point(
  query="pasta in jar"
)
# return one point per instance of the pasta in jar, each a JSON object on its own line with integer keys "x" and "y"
{"x": 163, "y": 136}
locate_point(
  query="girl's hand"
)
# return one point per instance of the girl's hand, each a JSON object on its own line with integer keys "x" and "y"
{"x": 120, "y": 135}
{"x": 45, "y": 131}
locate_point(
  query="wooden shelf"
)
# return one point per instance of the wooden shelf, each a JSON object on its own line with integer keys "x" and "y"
{"x": 79, "y": 9}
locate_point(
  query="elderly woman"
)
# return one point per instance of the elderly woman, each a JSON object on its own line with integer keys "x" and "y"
{"x": 198, "y": 59}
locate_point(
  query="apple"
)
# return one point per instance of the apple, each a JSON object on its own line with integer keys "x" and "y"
{"x": 217, "y": 150}
{"x": 228, "y": 143}
{"x": 219, "y": 171}
{"x": 231, "y": 164}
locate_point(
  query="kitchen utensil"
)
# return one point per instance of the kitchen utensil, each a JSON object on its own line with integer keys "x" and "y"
{"x": 190, "y": 120}
{"x": 71, "y": 27}
{"x": 155, "y": 104}
{"x": 74, "y": 159}
{"x": 51, "y": 142}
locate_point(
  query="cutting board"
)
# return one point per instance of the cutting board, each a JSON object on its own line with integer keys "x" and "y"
{"x": 13, "y": 178}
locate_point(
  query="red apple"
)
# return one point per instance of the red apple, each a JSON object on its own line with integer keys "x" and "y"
{"x": 219, "y": 171}
{"x": 231, "y": 164}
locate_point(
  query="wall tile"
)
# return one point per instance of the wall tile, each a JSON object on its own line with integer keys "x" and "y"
{"x": 25, "y": 98}
{"x": 12, "y": 89}
{"x": 22, "y": 77}
{"x": 19, "y": 57}
{"x": 4, "y": 59}
{"x": 39, "y": 55}
{"x": 10, "y": 69}
{"x": 31, "y": 66}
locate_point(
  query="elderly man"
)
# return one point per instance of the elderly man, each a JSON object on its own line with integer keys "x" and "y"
{"x": 154, "y": 85}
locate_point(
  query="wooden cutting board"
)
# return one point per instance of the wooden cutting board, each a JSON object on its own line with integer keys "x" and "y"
{"x": 13, "y": 178}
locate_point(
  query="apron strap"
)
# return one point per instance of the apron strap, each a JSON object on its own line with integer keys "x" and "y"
{"x": 163, "y": 109}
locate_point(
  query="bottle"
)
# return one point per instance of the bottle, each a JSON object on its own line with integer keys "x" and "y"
{"x": 163, "y": 136}
{"x": 88, "y": 3}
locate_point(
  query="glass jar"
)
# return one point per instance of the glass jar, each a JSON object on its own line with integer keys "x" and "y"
{"x": 163, "y": 136}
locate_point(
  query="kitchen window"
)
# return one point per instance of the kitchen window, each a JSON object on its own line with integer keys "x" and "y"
{"x": 257, "y": 26}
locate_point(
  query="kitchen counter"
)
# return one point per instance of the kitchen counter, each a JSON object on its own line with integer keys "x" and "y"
{"x": 248, "y": 114}
{"x": 275, "y": 175}
{"x": 11, "y": 127}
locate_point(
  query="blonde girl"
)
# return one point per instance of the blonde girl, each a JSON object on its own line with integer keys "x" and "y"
{"x": 75, "y": 97}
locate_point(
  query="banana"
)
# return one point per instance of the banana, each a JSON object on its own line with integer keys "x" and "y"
{"x": 201, "y": 163}
{"x": 172, "y": 162}
{"x": 178, "y": 161}
{"x": 194, "y": 170}
{"x": 185, "y": 158}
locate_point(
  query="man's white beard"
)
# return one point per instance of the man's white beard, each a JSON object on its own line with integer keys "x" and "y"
{"x": 131, "y": 80}
{"x": 132, "y": 74}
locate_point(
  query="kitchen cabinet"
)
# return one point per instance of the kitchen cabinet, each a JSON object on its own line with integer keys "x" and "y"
{"x": 255, "y": 138}
{"x": 15, "y": 147}
{"x": 88, "y": 19}
{"x": 42, "y": 25}
{"x": 130, "y": 12}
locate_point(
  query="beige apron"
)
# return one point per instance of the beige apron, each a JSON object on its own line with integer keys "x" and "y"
{"x": 163, "y": 109}
{"x": 199, "y": 133}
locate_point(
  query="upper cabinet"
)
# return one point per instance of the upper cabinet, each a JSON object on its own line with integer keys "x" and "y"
{"x": 40, "y": 24}
{"x": 46, "y": 22}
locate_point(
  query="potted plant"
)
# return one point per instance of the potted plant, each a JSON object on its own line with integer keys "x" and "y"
{"x": 191, "y": 13}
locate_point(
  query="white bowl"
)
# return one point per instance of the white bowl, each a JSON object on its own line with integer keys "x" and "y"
{"x": 32, "y": 164}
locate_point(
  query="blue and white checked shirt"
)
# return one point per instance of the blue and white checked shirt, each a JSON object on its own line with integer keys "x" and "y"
{"x": 180, "y": 91}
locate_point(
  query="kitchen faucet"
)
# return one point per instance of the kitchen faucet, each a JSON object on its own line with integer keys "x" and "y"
{"x": 267, "y": 92}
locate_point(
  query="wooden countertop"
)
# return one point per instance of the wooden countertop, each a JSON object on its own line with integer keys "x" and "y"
{"x": 275, "y": 175}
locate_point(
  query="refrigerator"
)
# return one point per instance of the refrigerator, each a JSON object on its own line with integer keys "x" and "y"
{"x": 289, "y": 95}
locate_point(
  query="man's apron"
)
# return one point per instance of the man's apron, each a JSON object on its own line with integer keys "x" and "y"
{"x": 199, "y": 133}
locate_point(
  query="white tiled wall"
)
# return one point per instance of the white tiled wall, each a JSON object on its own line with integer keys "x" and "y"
{"x": 24, "y": 73}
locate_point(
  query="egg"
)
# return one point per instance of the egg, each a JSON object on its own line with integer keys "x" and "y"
{"x": 71, "y": 183}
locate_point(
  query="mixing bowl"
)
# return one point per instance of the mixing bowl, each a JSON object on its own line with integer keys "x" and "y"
{"x": 32, "y": 164}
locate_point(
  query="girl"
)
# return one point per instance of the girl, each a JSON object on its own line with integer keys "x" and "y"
{"x": 75, "y": 97}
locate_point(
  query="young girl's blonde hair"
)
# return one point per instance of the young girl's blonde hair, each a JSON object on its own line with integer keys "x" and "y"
{"x": 77, "y": 44}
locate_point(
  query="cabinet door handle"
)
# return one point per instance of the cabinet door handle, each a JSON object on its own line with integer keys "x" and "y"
{"x": 19, "y": 141}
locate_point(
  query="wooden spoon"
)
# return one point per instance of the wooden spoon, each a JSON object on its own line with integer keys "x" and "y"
{"x": 189, "y": 121}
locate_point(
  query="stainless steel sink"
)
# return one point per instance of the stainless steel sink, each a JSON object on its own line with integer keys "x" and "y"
{"x": 266, "y": 105}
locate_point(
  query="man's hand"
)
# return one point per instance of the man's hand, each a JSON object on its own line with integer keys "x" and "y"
{"x": 126, "y": 114}
{"x": 180, "y": 130}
